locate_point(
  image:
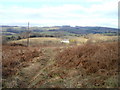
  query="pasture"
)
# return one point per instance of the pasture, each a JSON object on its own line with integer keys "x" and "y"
{"x": 90, "y": 38}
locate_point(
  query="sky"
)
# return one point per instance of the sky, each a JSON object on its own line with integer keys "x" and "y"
{"x": 59, "y": 12}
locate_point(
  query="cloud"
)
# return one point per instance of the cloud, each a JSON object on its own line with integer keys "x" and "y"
{"x": 103, "y": 13}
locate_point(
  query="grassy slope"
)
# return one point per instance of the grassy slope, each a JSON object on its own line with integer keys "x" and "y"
{"x": 50, "y": 67}
{"x": 38, "y": 41}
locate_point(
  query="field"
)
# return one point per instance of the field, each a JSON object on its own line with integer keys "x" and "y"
{"x": 38, "y": 41}
{"x": 90, "y": 38}
{"x": 48, "y": 64}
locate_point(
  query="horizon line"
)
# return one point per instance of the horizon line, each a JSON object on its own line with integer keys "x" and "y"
{"x": 56, "y": 26}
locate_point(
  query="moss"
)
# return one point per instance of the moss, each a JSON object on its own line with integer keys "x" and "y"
{"x": 112, "y": 82}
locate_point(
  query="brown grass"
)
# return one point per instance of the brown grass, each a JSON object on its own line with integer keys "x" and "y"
{"x": 45, "y": 41}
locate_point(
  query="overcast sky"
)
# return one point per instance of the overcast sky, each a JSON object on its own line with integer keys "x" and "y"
{"x": 59, "y": 12}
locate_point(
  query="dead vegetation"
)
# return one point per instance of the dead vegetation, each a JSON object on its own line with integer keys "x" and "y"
{"x": 99, "y": 61}
{"x": 90, "y": 56}
{"x": 84, "y": 66}
{"x": 15, "y": 56}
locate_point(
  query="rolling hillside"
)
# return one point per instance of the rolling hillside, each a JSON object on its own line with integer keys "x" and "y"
{"x": 9, "y": 30}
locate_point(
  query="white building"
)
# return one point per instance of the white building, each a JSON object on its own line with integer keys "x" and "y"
{"x": 65, "y": 41}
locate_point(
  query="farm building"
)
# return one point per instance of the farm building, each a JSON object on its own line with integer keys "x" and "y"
{"x": 65, "y": 41}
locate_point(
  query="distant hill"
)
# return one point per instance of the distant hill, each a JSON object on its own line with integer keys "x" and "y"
{"x": 59, "y": 29}
{"x": 87, "y": 30}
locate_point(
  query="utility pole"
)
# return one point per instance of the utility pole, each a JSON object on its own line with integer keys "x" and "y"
{"x": 1, "y": 35}
{"x": 28, "y": 36}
